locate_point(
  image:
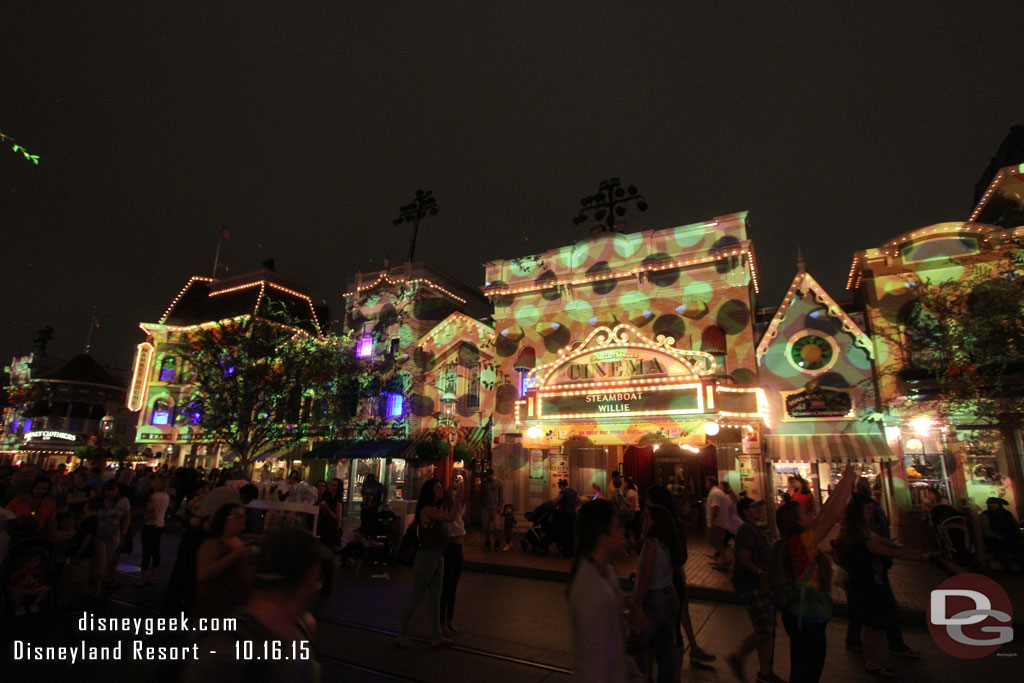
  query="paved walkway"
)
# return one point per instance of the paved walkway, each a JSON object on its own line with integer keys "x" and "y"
{"x": 912, "y": 582}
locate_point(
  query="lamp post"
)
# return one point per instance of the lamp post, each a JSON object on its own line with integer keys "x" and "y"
{"x": 422, "y": 206}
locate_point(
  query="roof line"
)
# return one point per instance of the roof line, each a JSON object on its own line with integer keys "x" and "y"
{"x": 805, "y": 281}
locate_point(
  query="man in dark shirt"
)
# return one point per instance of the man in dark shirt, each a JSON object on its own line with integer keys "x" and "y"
{"x": 1002, "y": 533}
{"x": 751, "y": 559}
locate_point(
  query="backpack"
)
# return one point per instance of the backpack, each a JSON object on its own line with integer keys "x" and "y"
{"x": 779, "y": 577}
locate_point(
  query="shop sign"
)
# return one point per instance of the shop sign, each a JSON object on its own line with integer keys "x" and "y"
{"x": 625, "y": 402}
{"x": 631, "y": 432}
{"x": 536, "y": 464}
{"x": 818, "y": 402}
{"x": 47, "y": 435}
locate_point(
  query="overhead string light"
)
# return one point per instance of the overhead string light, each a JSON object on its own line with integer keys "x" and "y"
{"x": 384, "y": 278}
{"x": 34, "y": 158}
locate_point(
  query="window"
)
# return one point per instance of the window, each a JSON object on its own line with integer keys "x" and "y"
{"x": 393, "y": 406}
{"x": 473, "y": 390}
{"x": 168, "y": 369}
{"x": 161, "y": 412}
{"x": 811, "y": 352}
{"x": 365, "y": 347}
{"x": 28, "y": 425}
{"x": 395, "y": 345}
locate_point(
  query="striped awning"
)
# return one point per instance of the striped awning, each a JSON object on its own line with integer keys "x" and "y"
{"x": 828, "y": 448}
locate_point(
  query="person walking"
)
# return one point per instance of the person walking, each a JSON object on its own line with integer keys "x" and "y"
{"x": 862, "y": 553}
{"x": 153, "y": 528}
{"x": 660, "y": 495}
{"x": 596, "y": 603}
{"x": 721, "y": 518}
{"x": 810, "y": 576}
{"x": 492, "y": 499}
{"x": 453, "y": 557}
{"x": 654, "y": 600}
{"x": 428, "y": 567}
{"x": 747, "y": 580}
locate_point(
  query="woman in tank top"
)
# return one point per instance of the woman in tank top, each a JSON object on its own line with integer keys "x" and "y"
{"x": 428, "y": 568}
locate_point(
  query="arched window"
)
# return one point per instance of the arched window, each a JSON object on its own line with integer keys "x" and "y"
{"x": 168, "y": 369}
{"x": 161, "y": 412}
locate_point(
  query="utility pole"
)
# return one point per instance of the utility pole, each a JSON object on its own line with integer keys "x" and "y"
{"x": 609, "y": 203}
{"x": 422, "y": 206}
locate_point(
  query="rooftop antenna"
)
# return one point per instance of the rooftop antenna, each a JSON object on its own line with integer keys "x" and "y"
{"x": 422, "y": 206}
{"x": 800, "y": 268}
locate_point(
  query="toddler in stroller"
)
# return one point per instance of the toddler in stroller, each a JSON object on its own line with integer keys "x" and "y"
{"x": 543, "y": 531}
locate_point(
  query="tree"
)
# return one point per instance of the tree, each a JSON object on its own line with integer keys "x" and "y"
{"x": 248, "y": 380}
{"x": 963, "y": 340}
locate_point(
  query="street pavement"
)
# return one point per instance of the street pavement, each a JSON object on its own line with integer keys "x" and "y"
{"x": 513, "y": 628}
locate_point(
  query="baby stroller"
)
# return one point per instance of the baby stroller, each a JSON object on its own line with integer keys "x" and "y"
{"x": 542, "y": 532}
{"x": 379, "y": 545}
{"x": 954, "y": 535}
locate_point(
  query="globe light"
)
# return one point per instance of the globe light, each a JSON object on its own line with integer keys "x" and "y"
{"x": 914, "y": 445}
{"x": 711, "y": 428}
{"x": 534, "y": 432}
{"x": 922, "y": 425}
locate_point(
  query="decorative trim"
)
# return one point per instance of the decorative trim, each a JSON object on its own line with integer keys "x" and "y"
{"x": 384, "y": 278}
{"x": 802, "y": 283}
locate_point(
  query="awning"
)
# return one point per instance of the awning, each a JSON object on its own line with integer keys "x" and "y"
{"x": 828, "y": 448}
{"x": 378, "y": 448}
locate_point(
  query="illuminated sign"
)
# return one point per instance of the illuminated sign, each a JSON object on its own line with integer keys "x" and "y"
{"x": 620, "y": 364}
{"x": 46, "y": 435}
{"x": 661, "y": 400}
{"x": 140, "y": 376}
{"x": 818, "y": 402}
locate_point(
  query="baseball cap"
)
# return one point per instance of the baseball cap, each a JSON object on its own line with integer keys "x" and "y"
{"x": 747, "y": 503}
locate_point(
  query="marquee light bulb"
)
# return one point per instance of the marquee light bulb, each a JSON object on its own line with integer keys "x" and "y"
{"x": 711, "y": 428}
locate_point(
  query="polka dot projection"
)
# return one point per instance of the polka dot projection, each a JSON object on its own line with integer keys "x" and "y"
{"x": 627, "y": 245}
{"x": 501, "y": 300}
{"x": 527, "y": 315}
{"x": 579, "y": 310}
{"x": 744, "y": 377}
{"x": 524, "y": 266}
{"x": 551, "y": 294}
{"x": 421, "y": 406}
{"x": 687, "y": 236}
{"x": 671, "y": 326}
{"x": 424, "y": 360}
{"x": 557, "y": 339}
{"x": 601, "y": 287}
{"x": 406, "y": 336}
{"x": 729, "y": 262}
{"x": 575, "y": 256}
{"x": 661, "y": 278}
{"x": 712, "y": 339}
{"x": 468, "y": 354}
{"x": 505, "y": 399}
{"x": 733, "y": 316}
{"x": 432, "y": 308}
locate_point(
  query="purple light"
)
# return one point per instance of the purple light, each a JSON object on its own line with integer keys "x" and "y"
{"x": 168, "y": 374}
{"x": 394, "y": 408}
{"x": 161, "y": 417}
{"x": 365, "y": 348}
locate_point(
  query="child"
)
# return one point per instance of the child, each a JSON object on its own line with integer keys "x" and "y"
{"x": 28, "y": 584}
{"x": 510, "y": 521}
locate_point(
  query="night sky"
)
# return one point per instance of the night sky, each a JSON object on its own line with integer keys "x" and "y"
{"x": 303, "y": 126}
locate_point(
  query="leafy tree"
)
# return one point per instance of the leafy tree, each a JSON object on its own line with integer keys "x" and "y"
{"x": 964, "y": 339}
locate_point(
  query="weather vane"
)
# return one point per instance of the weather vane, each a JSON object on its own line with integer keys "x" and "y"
{"x": 609, "y": 203}
{"x": 424, "y": 205}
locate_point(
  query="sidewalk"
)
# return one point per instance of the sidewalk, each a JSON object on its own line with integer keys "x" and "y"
{"x": 912, "y": 582}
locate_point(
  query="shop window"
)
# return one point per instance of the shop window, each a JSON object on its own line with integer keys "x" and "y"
{"x": 161, "y": 412}
{"x": 28, "y": 425}
{"x": 364, "y": 349}
{"x": 168, "y": 369}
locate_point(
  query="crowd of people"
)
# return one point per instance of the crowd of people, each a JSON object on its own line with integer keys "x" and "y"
{"x": 64, "y": 532}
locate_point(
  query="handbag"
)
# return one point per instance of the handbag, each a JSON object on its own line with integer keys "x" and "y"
{"x": 409, "y": 545}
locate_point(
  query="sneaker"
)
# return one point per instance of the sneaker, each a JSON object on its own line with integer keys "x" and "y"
{"x": 769, "y": 678}
{"x": 736, "y": 666}
{"x": 699, "y": 655}
{"x": 906, "y": 652}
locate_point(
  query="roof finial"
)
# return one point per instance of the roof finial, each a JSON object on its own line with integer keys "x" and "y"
{"x": 800, "y": 260}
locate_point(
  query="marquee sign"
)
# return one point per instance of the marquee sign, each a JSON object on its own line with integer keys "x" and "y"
{"x": 663, "y": 400}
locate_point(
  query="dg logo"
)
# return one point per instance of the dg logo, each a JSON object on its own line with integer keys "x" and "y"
{"x": 970, "y": 616}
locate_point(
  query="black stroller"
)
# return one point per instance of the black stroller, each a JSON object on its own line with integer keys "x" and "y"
{"x": 543, "y": 531}
{"x": 954, "y": 535}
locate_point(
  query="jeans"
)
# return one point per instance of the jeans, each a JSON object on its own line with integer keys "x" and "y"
{"x": 427, "y": 573}
{"x": 452, "y": 572}
{"x": 661, "y": 607}
{"x": 806, "y": 648}
{"x": 151, "y": 545}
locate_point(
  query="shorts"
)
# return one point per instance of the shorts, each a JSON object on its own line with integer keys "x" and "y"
{"x": 761, "y": 610}
{"x": 490, "y": 521}
{"x": 718, "y": 537}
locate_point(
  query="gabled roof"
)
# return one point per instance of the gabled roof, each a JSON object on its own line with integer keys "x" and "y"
{"x": 804, "y": 282}
{"x": 205, "y": 300}
{"x": 1003, "y": 201}
{"x": 82, "y": 368}
{"x": 483, "y": 331}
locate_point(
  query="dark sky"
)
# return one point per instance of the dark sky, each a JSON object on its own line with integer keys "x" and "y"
{"x": 302, "y": 127}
